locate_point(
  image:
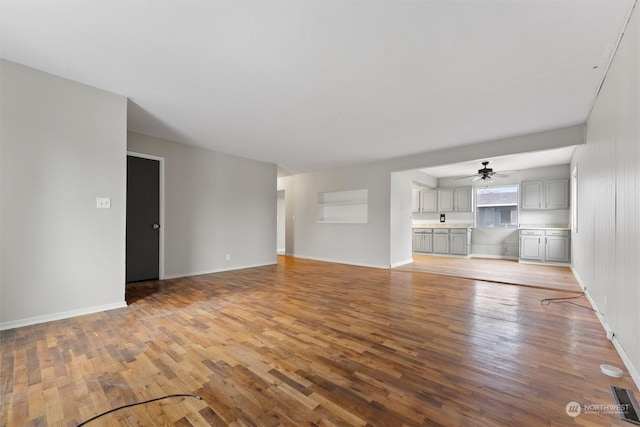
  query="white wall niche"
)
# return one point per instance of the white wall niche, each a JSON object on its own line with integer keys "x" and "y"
{"x": 349, "y": 207}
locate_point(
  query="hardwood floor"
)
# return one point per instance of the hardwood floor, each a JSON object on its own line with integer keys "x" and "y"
{"x": 497, "y": 270}
{"x": 317, "y": 344}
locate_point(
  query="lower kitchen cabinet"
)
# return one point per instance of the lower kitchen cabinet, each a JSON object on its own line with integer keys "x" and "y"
{"x": 446, "y": 241}
{"x": 531, "y": 247}
{"x": 545, "y": 246}
{"x": 459, "y": 240}
{"x": 422, "y": 240}
{"x": 557, "y": 249}
{"x": 441, "y": 241}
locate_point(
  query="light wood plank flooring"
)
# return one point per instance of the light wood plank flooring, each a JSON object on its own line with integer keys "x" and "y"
{"x": 306, "y": 343}
{"x": 497, "y": 270}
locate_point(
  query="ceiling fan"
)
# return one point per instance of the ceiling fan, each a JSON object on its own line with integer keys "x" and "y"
{"x": 486, "y": 174}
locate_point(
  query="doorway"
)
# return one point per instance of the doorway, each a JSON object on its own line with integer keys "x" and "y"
{"x": 281, "y": 224}
{"x": 145, "y": 234}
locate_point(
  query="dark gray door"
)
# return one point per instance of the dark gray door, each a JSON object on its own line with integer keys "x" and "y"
{"x": 143, "y": 219}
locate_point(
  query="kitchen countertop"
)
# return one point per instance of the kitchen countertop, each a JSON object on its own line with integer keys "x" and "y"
{"x": 440, "y": 225}
{"x": 544, "y": 227}
{"x": 520, "y": 227}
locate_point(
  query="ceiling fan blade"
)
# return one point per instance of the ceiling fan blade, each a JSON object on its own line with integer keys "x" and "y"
{"x": 500, "y": 175}
{"x": 477, "y": 178}
{"x": 467, "y": 177}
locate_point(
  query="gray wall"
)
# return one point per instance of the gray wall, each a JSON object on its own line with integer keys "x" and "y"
{"x": 215, "y": 204}
{"x": 606, "y": 245}
{"x": 63, "y": 144}
{"x": 402, "y": 183}
{"x": 377, "y": 243}
{"x": 359, "y": 244}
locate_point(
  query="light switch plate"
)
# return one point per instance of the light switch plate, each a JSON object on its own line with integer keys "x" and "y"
{"x": 103, "y": 202}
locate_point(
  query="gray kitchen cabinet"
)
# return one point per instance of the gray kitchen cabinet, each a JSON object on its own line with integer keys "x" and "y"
{"x": 427, "y": 243}
{"x": 551, "y": 246}
{"x": 441, "y": 241}
{"x": 453, "y": 241}
{"x": 532, "y": 195}
{"x": 445, "y": 199}
{"x": 415, "y": 200}
{"x": 422, "y": 240}
{"x": 531, "y": 245}
{"x": 551, "y": 194}
{"x": 455, "y": 199}
{"x": 557, "y": 246}
{"x": 557, "y": 194}
{"x": 429, "y": 201}
{"x": 463, "y": 199}
{"x": 459, "y": 241}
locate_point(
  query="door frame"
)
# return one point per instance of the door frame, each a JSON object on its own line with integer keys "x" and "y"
{"x": 281, "y": 221}
{"x": 161, "y": 207}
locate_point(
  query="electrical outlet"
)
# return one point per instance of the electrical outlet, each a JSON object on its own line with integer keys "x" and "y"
{"x": 228, "y": 257}
{"x": 103, "y": 202}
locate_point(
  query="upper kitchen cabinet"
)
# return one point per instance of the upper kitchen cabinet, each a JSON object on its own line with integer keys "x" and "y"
{"x": 415, "y": 200}
{"x": 455, "y": 199}
{"x": 532, "y": 195}
{"x": 429, "y": 200}
{"x": 462, "y": 199}
{"x": 557, "y": 194}
{"x": 445, "y": 199}
{"x": 552, "y": 194}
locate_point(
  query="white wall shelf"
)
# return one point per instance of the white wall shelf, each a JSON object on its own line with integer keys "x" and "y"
{"x": 343, "y": 207}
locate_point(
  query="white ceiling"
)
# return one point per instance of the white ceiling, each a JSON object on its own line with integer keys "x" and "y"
{"x": 515, "y": 162}
{"x": 318, "y": 84}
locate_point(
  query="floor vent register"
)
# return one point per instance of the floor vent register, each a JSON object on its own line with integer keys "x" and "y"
{"x": 628, "y": 405}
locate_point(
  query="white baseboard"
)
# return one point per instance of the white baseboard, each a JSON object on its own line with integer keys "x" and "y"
{"x": 218, "y": 270}
{"x": 59, "y": 316}
{"x": 486, "y": 256}
{"x": 557, "y": 264}
{"x": 443, "y": 255}
{"x": 90, "y": 310}
{"x": 578, "y": 278}
{"x": 628, "y": 363}
{"x": 399, "y": 263}
{"x": 339, "y": 261}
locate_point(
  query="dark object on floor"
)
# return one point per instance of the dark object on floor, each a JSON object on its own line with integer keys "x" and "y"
{"x": 136, "y": 404}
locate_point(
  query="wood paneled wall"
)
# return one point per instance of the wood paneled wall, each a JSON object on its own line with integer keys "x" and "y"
{"x": 606, "y": 248}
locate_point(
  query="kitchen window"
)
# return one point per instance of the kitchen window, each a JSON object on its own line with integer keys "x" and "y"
{"x": 497, "y": 206}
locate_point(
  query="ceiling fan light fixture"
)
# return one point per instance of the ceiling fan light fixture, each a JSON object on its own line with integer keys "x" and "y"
{"x": 485, "y": 170}
{"x": 485, "y": 175}
{"x": 486, "y": 179}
